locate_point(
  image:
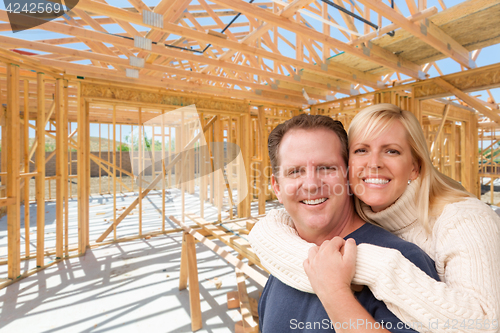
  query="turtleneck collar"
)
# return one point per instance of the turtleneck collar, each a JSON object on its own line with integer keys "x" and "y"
{"x": 401, "y": 214}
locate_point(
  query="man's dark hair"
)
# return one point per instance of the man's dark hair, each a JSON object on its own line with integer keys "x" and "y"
{"x": 306, "y": 122}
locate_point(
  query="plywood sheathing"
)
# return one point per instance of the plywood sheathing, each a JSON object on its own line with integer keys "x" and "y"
{"x": 473, "y": 24}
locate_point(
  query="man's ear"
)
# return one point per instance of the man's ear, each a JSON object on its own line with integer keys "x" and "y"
{"x": 276, "y": 187}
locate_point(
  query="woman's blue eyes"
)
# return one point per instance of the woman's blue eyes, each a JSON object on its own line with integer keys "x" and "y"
{"x": 390, "y": 151}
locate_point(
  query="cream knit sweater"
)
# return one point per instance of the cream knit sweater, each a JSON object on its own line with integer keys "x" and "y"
{"x": 464, "y": 243}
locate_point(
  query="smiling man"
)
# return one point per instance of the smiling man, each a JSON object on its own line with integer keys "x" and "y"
{"x": 309, "y": 158}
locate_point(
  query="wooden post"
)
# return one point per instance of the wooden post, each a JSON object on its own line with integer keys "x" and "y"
{"x": 182, "y": 171}
{"x": 468, "y": 180}
{"x": 163, "y": 183}
{"x": 64, "y": 165}
{"x": 100, "y": 189}
{"x": 463, "y": 162}
{"x": 13, "y": 160}
{"x": 121, "y": 159}
{"x": 218, "y": 156}
{"x": 132, "y": 155}
{"x": 109, "y": 158}
{"x": 178, "y": 147}
{"x": 202, "y": 169}
{"x": 60, "y": 138}
{"x": 140, "y": 165}
{"x": 27, "y": 170}
{"x": 114, "y": 169}
{"x": 453, "y": 150}
{"x": 263, "y": 160}
{"x": 229, "y": 171}
{"x": 183, "y": 271}
{"x": 249, "y": 324}
{"x": 191, "y": 170}
{"x": 247, "y": 160}
{"x": 239, "y": 140}
{"x": 476, "y": 188}
{"x": 87, "y": 172}
{"x": 82, "y": 168}
{"x": 194, "y": 288}
{"x": 211, "y": 176}
{"x": 3, "y": 166}
{"x": 40, "y": 167}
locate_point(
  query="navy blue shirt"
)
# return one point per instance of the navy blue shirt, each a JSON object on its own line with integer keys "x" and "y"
{"x": 285, "y": 309}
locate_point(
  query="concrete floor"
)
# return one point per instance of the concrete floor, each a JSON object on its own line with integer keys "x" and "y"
{"x": 121, "y": 287}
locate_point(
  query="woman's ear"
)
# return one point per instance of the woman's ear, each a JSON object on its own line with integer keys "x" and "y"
{"x": 276, "y": 187}
{"x": 415, "y": 171}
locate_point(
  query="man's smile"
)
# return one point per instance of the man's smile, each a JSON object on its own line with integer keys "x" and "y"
{"x": 314, "y": 201}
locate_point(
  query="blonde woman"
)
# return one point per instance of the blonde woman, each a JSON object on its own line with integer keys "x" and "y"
{"x": 397, "y": 187}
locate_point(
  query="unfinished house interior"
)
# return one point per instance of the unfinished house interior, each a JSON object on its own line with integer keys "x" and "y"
{"x": 134, "y": 134}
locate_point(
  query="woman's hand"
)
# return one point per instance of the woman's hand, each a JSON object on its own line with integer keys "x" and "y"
{"x": 331, "y": 267}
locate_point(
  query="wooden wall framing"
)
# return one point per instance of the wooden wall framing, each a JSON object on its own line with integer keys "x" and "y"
{"x": 51, "y": 104}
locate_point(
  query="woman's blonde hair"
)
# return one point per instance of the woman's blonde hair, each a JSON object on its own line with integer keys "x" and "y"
{"x": 436, "y": 189}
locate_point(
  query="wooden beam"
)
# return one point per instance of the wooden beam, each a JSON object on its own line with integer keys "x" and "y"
{"x": 393, "y": 26}
{"x": 468, "y": 99}
{"x": 253, "y": 274}
{"x": 287, "y": 12}
{"x": 100, "y": 161}
{"x": 7, "y": 201}
{"x": 110, "y": 74}
{"x": 156, "y": 49}
{"x": 383, "y": 57}
{"x": 426, "y": 31}
{"x": 249, "y": 324}
{"x": 207, "y": 38}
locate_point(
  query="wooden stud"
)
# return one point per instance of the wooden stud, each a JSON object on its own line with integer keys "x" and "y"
{"x": 183, "y": 271}
{"x": 191, "y": 164}
{"x": 3, "y": 165}
{"x": 114, "y": 168}
{"x": 64, "y": 165}
{"x": 140, "y": 166}
{"x": 109, "y": 159}
{"x": 60, "y": 139}
{"x": 218, "y": 173}
{"x": 194, "y": 288}
{"x": 173, "y": 162}
{"x": 26, "y": 169}
{"x": 40, "y": 167}
{"x": 13, "y": 160}
{"x": 263, "y": 160}
{"x": 82, "y": 173}
{"x": 247, "y": 160}
{"x": 453, "y": 151}
{"x": 229, "y": 168}
{"x": 203, "y": 159}
{"x": 182, "y": 171}
{"x": 249, "y": 324}
{"x": 163, "y": 183}
{"x": 100, "y": 157}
